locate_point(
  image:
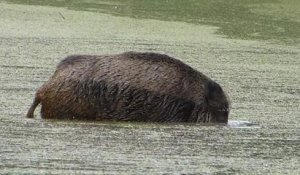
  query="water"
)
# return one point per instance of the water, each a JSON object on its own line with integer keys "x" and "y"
{"x": 261, "y": 76}
{"x": 247, "y": 19}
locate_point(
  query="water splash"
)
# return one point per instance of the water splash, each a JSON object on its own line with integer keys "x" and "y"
{"x": 242, "y": 124}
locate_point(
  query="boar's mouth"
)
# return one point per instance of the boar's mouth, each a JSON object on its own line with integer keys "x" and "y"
{"x": 217, "y": 115}
{"x": 214, "y": 107}
{"x": 206, "y": 114}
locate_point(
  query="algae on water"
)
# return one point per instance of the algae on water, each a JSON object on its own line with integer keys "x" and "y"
{"x": 243, "y": 19}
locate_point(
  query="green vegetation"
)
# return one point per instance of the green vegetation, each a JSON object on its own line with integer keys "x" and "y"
{"x": 276, "y": 20}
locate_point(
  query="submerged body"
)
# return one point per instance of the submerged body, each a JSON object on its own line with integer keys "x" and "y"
{"x": 130, "y": 86}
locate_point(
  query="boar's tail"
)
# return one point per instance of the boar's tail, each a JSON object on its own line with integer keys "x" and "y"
{"x": 35, "y": 103}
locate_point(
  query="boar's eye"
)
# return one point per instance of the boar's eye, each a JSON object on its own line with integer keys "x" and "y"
{"x": 223, "y": 110}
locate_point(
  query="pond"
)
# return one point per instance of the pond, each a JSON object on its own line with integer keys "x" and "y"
{"x": 251, "y": 48}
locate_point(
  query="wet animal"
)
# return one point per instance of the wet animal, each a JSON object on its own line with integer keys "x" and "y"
{"x": 131, "y": 86}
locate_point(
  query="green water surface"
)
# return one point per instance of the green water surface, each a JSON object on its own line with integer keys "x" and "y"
{"x": 277, "y": 20}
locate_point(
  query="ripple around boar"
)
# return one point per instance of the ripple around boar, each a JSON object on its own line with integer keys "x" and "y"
{"x": 130, "y": 86}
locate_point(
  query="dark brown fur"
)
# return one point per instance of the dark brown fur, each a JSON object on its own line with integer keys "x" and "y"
{"x": 130, "y": 86}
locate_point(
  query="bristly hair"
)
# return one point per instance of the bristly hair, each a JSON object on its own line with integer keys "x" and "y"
{"x": 123, "y": 102}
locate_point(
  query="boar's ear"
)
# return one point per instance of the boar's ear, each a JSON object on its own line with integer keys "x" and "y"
{"x": 213, "y": 93}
